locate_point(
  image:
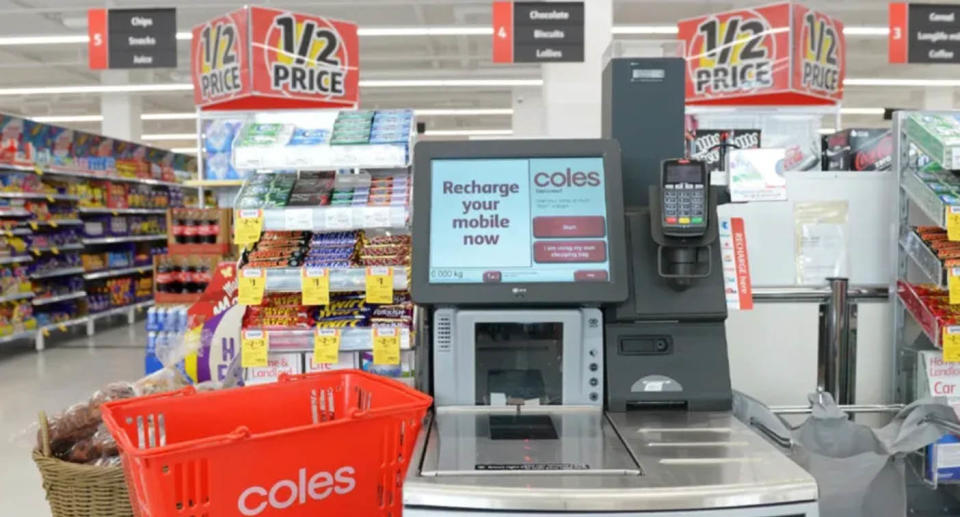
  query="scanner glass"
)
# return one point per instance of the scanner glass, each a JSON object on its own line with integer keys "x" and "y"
{"x": 519, "y": 363}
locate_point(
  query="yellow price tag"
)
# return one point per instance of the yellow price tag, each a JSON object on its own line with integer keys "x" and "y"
{"x": 62, "y": 327}
{"x": 45, "y": 332}
{"x": 253, "y": 348}
{"x": 8, "y": 233}
{"x": 55, "y": 250}
{"x": 953, "y": 223}
{"x": 54, "y": 224}
{"x": 326, "y": 346}
{"x": 248, "y": 225}
{"x": 34, "y": 226}
{"x": 253, "y": 282}
{"x": 50, "y": 198}
{"x": 36, "y": 251}
{"x": 953, "y": 283}
{"x": 37, "y": 170}
{"x": 379, "y": 285}
{"x": 315, "y": 286}
{"x": 386, "y": 345}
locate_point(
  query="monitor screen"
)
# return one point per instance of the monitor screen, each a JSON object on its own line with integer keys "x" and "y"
{"x": 684, "y": 173}
{"x": 518, "y": 220}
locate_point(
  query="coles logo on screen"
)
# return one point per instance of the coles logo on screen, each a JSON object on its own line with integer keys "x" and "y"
{"x": 568, "y": 178}
{"x": 287, "y": 492}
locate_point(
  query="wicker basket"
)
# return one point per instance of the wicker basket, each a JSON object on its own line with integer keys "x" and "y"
{"x": 76, "y": 490}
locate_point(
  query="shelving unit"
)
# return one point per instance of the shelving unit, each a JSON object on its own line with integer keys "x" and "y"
{"x": 918, "y": 326}
{"x": 126, "y": 238}
{"x": 108, "y": 273}
{"x": 394, "y": 219}
{"x": 121, "y": 211}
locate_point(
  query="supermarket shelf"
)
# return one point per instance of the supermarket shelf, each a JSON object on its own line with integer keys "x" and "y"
{"x": 118, "y": 211}
{"x": 931, "y": 324}
{"x": 127, "y": 238}
{"x": 925, "y": 198}
{"x": 341, "y": 279}
{"x": 13, "y": 212}
{"x": 925, "y": 259}
{"x": 15, "y": 259}
{"x": 17, "y": 231}
{"x": 213, "y": 183}
{"x": 38, "y": 195}
{"x": 57, "y": 272}
{"x": 57, "y": 249}
{"x": 335, "y": 218}
{"x": 16, "y": 296}
{"x": 62, "y": 325}
{"x": 351, "y": 339}
{"x": 62, "y": 298}
{"x": 24, "y": 334}
{"x": 109, "y": 273}
{"x": 53, "y": 171}
{"x": 326, "y": 157}
{"x": 57, "y": 222}
{"x": 119, "y": 310}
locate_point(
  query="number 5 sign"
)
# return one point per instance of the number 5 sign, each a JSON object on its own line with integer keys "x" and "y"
{"x": 257, "y": 58}
{"x": 777, "y": 54}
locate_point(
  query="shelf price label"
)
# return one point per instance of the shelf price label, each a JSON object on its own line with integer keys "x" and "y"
{"x": 953, "y": 223}
{"x": 951, "y": 344}
{"x": 376, "y": 217}
{"x": 379, "y": 285}
{"x": 953, "y": 284}
{"x": 249, "y": 224}
{"x": 386, "y": 345}
{"x": 326, "y": 346}
{"x": 253, "y": 283}
{"x": 315, "y": 286}
{"x": 337, "y": 218}
{"x": 298, "y": 219}
{"x": 253, "y": 348}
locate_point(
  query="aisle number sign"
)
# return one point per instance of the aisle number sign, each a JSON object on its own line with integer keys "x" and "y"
{"x": 132, "y": 38}
{"x": 315, "y": 286}
{"x": 254, "y": 345}
{"x": 379, "y": 285}
{"x": 951, "y": 344}
{"x": 253, "y": 283}
{"x": 248, "y": 226}
{"x": 326, "y": 346}
{"x": 259, "y": 57}
{"x": 386, "y": 345}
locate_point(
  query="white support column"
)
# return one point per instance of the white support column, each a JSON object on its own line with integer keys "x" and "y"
{"x": 121, "y": 111}
{"x": 938, "y": 98}
{"x": 528, "y": 112}
{"x": 572, "y": 91}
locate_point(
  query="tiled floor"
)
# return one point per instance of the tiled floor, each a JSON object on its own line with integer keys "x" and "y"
{"x": 66, "y": 373}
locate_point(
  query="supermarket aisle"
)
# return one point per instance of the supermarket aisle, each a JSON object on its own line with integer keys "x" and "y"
{"x": 66, "y": 373}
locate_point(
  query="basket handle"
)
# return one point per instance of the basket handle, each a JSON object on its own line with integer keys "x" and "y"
{"x": 44, "y": 433}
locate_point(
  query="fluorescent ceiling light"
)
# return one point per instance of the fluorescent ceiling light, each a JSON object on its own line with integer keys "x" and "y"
{"x": 184, "y": 150}
{"x": 468, "y": 132}
{"x": 168, "y": 136}
{"x": 185, "y": 35}
{"x": 457, "y": 112}
{"x": 901, "y": 82}
{"x": 69, "y": 118}
{"x": 446, "y": 83}
{"x": 169, "y": 116}
{"x": 866, "y": 31}
{"x": 424, "y": 31}
{"x": 862, "y": 111}
{"x": 827, "y": 131}
{"x": 43, "y": 40}
{"x": 644, "y": 29}
{"x": 102, "y": 88}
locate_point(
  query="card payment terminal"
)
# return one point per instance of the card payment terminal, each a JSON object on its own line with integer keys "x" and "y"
{"x": 685, "y": 184}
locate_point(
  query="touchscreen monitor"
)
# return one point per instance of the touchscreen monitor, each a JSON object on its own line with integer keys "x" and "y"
{"x": 518, "y": 219}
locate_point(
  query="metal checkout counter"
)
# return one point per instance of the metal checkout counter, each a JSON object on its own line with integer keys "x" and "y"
{"x": 578, "y": 355}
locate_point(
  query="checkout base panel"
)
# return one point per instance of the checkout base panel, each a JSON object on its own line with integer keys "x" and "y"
{"x": 790, "y": 510}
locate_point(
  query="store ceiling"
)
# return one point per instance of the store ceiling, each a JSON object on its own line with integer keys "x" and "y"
{"x": 466, "y": 57}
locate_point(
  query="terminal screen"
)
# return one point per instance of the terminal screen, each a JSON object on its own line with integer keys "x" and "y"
{"x": 518, "y": 220}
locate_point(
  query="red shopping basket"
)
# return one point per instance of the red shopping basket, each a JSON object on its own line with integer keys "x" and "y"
{"x": 325, "y": 444}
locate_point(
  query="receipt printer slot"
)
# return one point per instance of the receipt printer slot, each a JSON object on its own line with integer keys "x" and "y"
{"x": 645, "y": 345}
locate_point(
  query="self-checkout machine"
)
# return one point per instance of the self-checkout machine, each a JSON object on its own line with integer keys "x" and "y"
{"x": 578, "y": 360}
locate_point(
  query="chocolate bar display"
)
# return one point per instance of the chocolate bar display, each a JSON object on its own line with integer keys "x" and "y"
{"x": 857, "y": 150}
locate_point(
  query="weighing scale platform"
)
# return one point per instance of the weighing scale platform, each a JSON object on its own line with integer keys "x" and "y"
{"x": 638, "y": 461}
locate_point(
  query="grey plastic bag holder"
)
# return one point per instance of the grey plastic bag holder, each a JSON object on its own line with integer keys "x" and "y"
{"x": 859, "y": 470}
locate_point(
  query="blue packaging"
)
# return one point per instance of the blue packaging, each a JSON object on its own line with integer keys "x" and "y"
{"x": 309, "y": 137}
{"x": 944, "y": 455}
{"x": 150, "y": 361}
